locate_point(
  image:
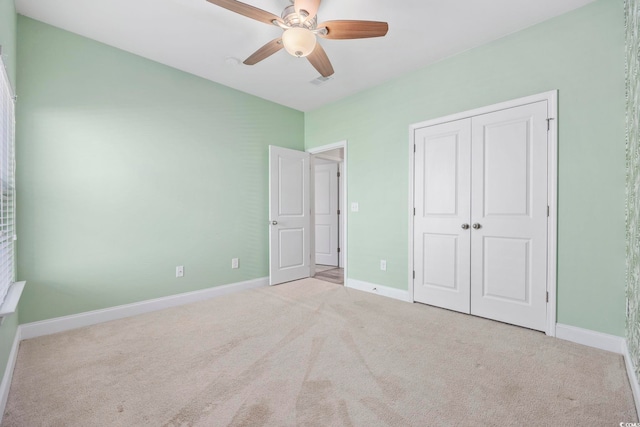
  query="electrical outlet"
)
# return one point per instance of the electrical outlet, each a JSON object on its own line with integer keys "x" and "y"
{"x": 234, "y": 263}
{"x": 180, "y": 271}
{"x": 383, "y": 265}
{"x": 355, "y": 207}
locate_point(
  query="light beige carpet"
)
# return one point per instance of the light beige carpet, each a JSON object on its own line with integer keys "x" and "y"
{"x": 313, "y": 353}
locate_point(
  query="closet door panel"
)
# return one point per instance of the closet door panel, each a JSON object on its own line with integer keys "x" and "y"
{"x": 509, "y": 215}
{"x": 442, "y": 202}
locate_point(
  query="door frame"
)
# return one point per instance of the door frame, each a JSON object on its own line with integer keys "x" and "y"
{"x": 552, "y": 188}
{"x": 343, "y": 213}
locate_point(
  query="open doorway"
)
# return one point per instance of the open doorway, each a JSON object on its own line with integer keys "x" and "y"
{"x": 328, "y": 247}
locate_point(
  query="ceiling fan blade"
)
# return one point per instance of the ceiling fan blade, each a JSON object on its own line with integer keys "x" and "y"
{"x": 320, "y": 61}
{"x": 247, "y": 10}
{"x": 264, "y": 52}
{"x": 346, "y": 29}
{"x": 311, "y": 6}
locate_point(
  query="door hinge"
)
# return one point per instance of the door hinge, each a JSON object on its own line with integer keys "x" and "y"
{"x": 414, "y": 211}
{"x": 549, "y": 123}
{"x": 338, "y": 174}
{"x": 414, "y": 274}
{"x": 338, "y": 211}
{"x": 338, "y": 250}
{"x": 414, "y": 148}
{"x": 548, "y": 210}
{"x": 547, "y": 296}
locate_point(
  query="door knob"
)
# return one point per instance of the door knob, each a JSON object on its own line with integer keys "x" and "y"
{"x": 465, "y": 226}
{"x": 476, "y": 226}
{"x": 274, "y": 222}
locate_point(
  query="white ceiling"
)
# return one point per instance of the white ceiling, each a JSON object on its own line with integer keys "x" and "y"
{"x": 197, "y": 37}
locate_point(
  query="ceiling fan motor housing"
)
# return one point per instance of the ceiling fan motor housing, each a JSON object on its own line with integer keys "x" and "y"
{"x": 293, "y": 19}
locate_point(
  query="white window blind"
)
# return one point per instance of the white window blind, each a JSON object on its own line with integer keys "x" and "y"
{"x": 7, "y": 180}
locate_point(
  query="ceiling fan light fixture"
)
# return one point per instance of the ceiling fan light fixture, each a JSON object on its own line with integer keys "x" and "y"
{"x": 298, "y": 41}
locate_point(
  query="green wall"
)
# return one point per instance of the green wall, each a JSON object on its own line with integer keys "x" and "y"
{"x": 128, "y": 168}
{"x": 582, "y": 55}
{"x": 8, "y": 21}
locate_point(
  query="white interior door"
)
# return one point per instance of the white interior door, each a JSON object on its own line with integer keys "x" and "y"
{"x": 326, "y": 212}
{"x": 509, "y": 216}
{"x": 290, "y": 215}
{"x": 442, "y": 209}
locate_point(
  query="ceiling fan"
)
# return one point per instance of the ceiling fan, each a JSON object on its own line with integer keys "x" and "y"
{"x": 300, "y": 24}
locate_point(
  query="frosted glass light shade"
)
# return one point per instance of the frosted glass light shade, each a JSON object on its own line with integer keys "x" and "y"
{"x": 299, "y": 41}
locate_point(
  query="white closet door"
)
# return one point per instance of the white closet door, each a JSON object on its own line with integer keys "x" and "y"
{"x": 509, "y": 215}
{"x": 442, "y": 203}
{"x": 326, "y": 218}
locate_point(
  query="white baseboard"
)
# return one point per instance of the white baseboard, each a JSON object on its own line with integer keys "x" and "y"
{"x": 378, "y": 289}
{"x": 5, "y": 385}
{"x": 590, "y": 338}
{"x": 74, "y": 321}
{"x": 633, "y": 378}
